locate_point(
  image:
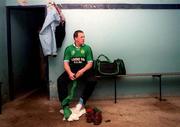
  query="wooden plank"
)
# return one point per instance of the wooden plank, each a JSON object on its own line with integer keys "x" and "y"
{"x": 143, "y": 74}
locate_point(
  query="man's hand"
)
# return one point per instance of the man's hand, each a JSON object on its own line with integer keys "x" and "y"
{"x": 68, "y": 70}
{"x": 79, "y": 73}
{"x": 72, "y": 76}
{"x": 87, "y": 67}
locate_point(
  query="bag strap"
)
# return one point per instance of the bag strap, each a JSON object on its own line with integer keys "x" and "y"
{"x": 102, "y": 55}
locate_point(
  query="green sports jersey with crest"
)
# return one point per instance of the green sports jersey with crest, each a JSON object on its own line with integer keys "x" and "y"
{"x": 78, "y": 56}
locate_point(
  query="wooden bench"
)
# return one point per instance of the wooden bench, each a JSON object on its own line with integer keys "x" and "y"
{"x": 158, "y": 75}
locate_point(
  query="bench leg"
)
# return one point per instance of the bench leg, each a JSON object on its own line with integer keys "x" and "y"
{"x": 160, "y": 86}
{"x": 114, "y": 89}
{"x": 160, "y": 89}
{"x": 160, "y": 95}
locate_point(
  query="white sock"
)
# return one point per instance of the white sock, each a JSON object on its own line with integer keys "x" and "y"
{"x": 79, "y": 107}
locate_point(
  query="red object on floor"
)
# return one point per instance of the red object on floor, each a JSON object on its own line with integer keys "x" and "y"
{"x": 93, "y": 115}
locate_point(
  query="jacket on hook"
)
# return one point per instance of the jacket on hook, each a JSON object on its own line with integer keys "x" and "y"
{"x": 47, "y": 33}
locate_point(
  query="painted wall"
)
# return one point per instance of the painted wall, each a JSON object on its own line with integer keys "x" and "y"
{"x": 147, "y": 40}
{"x": 133, "y": 31}
{"x": 3, "y": 53}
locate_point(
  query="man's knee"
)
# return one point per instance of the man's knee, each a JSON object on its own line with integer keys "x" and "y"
{"x": 92, "y": 80}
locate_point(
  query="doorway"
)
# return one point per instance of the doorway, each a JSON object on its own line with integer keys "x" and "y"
{"x": 28, "y": 68}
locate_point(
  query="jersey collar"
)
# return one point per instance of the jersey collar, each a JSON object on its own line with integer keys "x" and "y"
{"x": 78, "y": 47}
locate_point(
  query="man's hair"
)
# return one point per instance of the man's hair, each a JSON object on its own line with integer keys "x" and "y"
{"x": 76, "y": 33}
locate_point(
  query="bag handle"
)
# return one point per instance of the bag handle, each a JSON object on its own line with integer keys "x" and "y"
{"x": 102, "y": 55}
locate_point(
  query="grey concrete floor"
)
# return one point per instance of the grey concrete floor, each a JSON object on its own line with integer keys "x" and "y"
{"x": 35, "y": 110}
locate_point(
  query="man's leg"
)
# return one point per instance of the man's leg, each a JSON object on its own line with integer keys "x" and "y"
{"x": 90, "y": 81}
{"x": 88, "y": 90}
{"x": 62, "y": 84}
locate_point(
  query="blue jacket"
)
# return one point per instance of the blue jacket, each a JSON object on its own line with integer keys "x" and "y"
{"x": 47, "y": 33}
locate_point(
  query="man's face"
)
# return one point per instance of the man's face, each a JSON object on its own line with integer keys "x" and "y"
{"x": 80, "y": 39}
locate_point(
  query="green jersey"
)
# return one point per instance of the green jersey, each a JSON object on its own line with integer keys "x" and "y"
{"x": 78, "y": 56}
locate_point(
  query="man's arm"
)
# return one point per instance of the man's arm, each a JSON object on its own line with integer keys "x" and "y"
{"x": 84, "y": 69}
{"x": 68, "y": 70}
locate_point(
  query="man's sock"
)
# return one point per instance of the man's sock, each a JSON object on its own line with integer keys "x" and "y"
{"x": 79, "y": 105}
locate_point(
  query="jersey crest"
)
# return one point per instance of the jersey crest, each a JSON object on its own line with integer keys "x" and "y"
{"x": 72, "y": 52}
{"x": 82, "y": 51}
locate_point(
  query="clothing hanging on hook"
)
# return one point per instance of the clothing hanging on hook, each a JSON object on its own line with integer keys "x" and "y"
{"x": 49, "y": 33}
{"x": 60, "y": 30}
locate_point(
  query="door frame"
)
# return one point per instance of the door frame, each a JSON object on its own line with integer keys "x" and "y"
{"x": 9, "y": 46}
